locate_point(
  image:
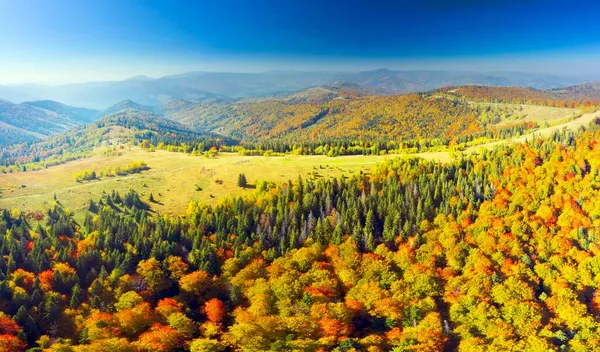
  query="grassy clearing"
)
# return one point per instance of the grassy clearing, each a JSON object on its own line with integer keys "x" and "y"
{"x": 542, "y": 115}
{"x": 573, "y": 125}
{"x": 174, "y": 178}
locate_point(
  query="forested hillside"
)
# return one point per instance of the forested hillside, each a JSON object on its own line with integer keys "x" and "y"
{"x": 339, "y": 119}
{"x": 80, "y": 115}
{"x": 352, "y": 113}
{"x": 369, "y": 118}
{"x": 130, "y": 105}
{"x": 337, "y": 111}
{"x": 211, "y": 112}
{"x": 248, "y": 176}
{"x": 563, "y": 97}
{"x": 413, "y": 255}
{"x": 494, "y": 251}
{"x": 128, "y": 125}
{"x": 32, "y": 121}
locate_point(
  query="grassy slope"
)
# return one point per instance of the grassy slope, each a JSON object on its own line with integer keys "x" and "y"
{"x": 172, "y": 175}
{"x": 534, "y": 113}
{"x": 572, "y": 125}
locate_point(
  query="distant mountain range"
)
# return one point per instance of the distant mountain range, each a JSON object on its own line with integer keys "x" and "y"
{"x": 223, "y": 86}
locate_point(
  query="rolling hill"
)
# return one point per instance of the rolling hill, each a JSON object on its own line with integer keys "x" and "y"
{"x": 209, "y": 115}
{"x": 359, "y": 118}
{"x": 582, "y": 92}
{"x": 31, "y": 121}
{"x": 126, "y": 104}
{"x": 351, "y": 111}
{"x": 80, "y": 115}
{"x": 589, "y": 92}
{"x": 328, "y": 92}
{"x": 130, "y": 124}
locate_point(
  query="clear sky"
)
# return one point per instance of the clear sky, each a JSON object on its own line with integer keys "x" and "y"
{"x": 60, "y": 41}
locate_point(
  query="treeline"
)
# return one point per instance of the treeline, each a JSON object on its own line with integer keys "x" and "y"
{"x": 55, "y": 150}
{"x": 494, "y": 251}
{"x": 335, "y": 148}
{"x": 208, "y": 147}
{"x": 111, "y": 171}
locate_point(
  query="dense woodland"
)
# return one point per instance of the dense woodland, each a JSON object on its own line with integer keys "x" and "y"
{"x": 339, "y": 147}
{"x": 496, "y": 251}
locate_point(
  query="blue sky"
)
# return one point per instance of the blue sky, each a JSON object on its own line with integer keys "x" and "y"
{"x": 60, "y": 41}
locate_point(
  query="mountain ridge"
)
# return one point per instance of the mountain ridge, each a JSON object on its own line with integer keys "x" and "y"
{"x": 117, "y": 128}
{"x": 202, "y": 85}
{"x": 31, "y": 121}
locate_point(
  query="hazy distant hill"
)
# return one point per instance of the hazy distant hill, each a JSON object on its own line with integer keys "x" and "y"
{"x": 582, "y": 92}
{"x": 210, "y": 115}
{"x": 132, "y": 123}
{"x": 81, "y": 115}
{"x": 125, "y": 104}
{"x": 223, "y": 86}
{"x": 337, "y": 90}
{"x": 32, "y": 121}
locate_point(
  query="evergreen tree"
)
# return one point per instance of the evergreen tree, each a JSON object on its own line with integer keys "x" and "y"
{"x": 75, "y": 300}
{"x": 242, "y": 182}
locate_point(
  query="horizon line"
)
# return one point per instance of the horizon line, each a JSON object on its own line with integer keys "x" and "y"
{"x": 145, "y": 76}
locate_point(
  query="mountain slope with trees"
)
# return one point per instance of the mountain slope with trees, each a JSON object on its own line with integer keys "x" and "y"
{"x": 131, "y": 124}
{"x": 348, "y": 112}
{"x": 568, "y": 96}
{"x": 33, "y": 121}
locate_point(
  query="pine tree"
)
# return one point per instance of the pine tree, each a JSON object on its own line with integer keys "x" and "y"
{"x": 337, "y": 235}
{"x": 29, "y": 325}
{"x": 93, "y": 207}
{"x": 242, "y": 182}
{"x": 369, "y": 231}
{"x": 75, "y": 297}
{"x": 96, "y": 288}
